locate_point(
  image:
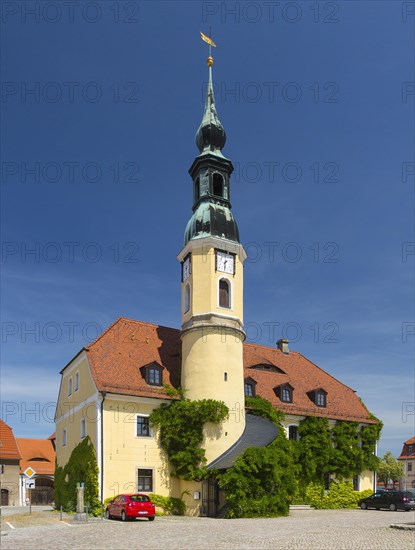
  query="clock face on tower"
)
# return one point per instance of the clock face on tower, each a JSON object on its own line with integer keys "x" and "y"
{"x": 225, "y": 262}
{"x": 186, "y": 268}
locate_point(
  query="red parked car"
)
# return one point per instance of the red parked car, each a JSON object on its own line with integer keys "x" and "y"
{"x": 130, "y": 507}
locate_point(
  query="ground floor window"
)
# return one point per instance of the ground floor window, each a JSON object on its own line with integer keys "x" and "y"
{"x": 293, "y": 433}
{"x": 356, "y": 483}
{"x": 145, "y": 480}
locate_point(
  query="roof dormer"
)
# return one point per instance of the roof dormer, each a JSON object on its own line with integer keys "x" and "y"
{"x": 152, "y": 374}
{"x": 318, "y": 397}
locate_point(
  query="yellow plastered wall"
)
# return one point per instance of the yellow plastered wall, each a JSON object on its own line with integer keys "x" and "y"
{"x": 366, "y": 480}
{"x": 213, "y": 369}
{"x": 204, "y": 284}
{"x": 71, "y": 409}
{"x": 125, "y": 452}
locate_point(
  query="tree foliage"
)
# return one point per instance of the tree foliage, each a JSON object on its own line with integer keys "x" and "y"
{"x": 82, "y": 467}
{"x": 389, "y": 469}
{"x": 181, "y": 433}
{"x": 313, "y": 450}
{"x": 261, "y": 483}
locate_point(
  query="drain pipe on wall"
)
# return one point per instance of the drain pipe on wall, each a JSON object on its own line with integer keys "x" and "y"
{"x": 103, "y": 393}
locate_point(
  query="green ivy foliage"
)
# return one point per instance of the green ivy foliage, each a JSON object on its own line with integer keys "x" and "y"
{"x": 347, "y": 456}
{"x": 82, "y": 466}
{"x": 262, "y": 482}
{"x": 340, "y": 495}
{"x": 344, "y": 451}
{"x": 313, "y": 451}
{"x": 181, "y": 433}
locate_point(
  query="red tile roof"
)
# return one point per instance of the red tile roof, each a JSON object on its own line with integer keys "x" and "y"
{"x": 117, "y": 355}
{"x": 404, "y": 452}
{"x": 8, "y": 446}
{"x": 37, "y": 453}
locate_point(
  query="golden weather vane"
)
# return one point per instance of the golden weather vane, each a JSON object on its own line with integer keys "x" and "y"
{"x": 209, "y": 41}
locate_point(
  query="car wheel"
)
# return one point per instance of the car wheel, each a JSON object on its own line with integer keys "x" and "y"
{"x": 151, "y": 519}
{"x": 392, "y": 507}
{"x": 107, "y": 514}
{"x": 123, "y": 516}
{"x": 363, "y": 506}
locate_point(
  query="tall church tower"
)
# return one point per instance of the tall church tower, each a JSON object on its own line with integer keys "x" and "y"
{"x": 212, "y": 286}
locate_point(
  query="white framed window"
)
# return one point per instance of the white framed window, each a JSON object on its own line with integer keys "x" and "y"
{"x": 64, "y": 437}
{"x": 145, "y": 480}
{"x": 224, "y": 293}
{"x": 142, "y": 425}
{"x": 76, "y": 385}
{"x": 83, "y": 428}
{"x": 186, "y": 298}
{"x": 70, "y": 386}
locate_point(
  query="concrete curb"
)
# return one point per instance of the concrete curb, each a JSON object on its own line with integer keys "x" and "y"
{"x": 404, "y": 526}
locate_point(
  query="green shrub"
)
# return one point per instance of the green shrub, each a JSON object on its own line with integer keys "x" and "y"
{"x": 170, "y": 505}
{"x": 340, "y": 495}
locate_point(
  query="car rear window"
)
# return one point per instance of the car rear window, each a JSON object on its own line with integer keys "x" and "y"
{"x": 410, "y": 494}
{"x": 139, "y": 498}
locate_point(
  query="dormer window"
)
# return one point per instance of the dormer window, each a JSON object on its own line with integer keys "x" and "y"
{"x": 249, "y": 387}
{"x": 267, "y": 367}
{"x": 285, "y": 393}
{"x": 319, "y": 397}
{"x": 153, "y": 374}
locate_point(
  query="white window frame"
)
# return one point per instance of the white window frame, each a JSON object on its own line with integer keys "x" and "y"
{"x": 140, "y": 436}
{"x": 64, "y": 437}
{"x": 83, "y": 428}
{"x": 230, "y": 308}
{"x": 153, "y": 481}
{"x": 76, "y": 382}
{"x": 70, "y": 386}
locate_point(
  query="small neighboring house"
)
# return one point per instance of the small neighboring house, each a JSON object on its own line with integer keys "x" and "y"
{"x": 40, "y": 455}
{"x": 9, "y": 466}
{"x": 407, "y": 457}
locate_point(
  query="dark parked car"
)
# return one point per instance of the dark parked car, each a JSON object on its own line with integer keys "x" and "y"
{"x": 130, "y": 507}
{"x": 391, "y": 500}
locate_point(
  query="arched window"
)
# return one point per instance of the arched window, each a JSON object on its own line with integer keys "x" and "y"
{"x": 70, "y": 386}
{"x": 186, "y": 304}
{"x": 77, "y": 381}
{"x": 224, "y": 293}
{"x": 218, "y": 185}
{"x": 197, "y": 189}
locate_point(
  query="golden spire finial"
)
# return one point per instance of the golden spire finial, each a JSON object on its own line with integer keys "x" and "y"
{"x": 209, "y": 41}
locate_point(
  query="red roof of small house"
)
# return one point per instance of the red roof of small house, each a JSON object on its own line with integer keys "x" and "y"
{"x": 37, "y": 453}
{"x": 117, "y": 356}
{"x": 8, "y": 446}
{"x": 405, "y": 449}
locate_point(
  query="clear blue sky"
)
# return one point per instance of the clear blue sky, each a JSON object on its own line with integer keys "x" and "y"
{"x": 100, "y": 104}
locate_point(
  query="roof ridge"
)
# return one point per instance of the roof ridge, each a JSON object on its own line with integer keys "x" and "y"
{"x": 102, "y": 334}
{"x": 251, "y": 344}
{"x": 132, "y": 321}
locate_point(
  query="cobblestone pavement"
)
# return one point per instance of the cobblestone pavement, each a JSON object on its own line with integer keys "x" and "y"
{"x": 305, "y": 529}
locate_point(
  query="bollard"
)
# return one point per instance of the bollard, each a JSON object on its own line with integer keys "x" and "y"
{"x": 60, "y": 514}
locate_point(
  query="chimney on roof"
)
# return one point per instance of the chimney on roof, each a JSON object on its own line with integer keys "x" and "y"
{"x": 282, "y": 345}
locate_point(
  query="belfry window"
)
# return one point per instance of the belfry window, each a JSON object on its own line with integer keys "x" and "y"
{"x": 224, "y": 294}
{"x": 186, "y": 304}
{"x": 218, "y": 185}
{"x": 197, "y": 189}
